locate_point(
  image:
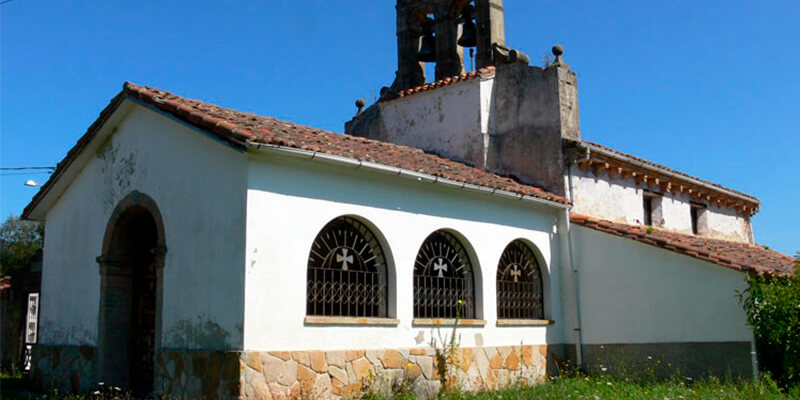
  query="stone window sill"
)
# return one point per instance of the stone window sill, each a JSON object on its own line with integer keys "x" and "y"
{"x": 525, "y": 322}
{"x": 447, "y": 321}
{"x": 321, "y": 320}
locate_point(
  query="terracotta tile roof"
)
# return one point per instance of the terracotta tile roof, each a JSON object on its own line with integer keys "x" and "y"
{"x": 740, "y": 256}
{"x": 480, "y": 73}
{"x": 240, "y": 129}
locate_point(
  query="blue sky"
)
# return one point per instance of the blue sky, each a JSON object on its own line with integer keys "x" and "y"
{"x": 710, "y": 88}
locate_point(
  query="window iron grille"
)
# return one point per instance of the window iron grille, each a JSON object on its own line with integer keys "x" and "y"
{"x": 346, "y": 272}
{"x": 519, "y": 284}
{"x": 443, "y": 286}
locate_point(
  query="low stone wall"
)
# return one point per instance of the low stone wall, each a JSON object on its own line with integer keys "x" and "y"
{"x": 287, "y": 375}
{"x": 348, "y": 374}
{"x": 68, "y": 369}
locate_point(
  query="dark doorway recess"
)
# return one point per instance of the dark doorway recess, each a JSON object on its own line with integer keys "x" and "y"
{"x": 130, "y": 269}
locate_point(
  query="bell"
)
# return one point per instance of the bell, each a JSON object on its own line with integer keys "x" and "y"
{"x": 427, "y": 51}
{"x": 469, "y": 35}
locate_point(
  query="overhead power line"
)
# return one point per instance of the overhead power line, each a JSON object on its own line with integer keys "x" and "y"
{"x": 5, "y": 1}
{"x": 24, "y": 168}
{"x": 23, "y": 173}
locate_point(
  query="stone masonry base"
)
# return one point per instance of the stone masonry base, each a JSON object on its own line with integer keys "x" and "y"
{"x": 348, "y": 374}
{"x": 198, "y": 374}
{"x": 68, "y": 369}
{"x": 278, "y": 375}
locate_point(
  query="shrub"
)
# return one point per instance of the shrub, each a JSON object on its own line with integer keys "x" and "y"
{"x": 772, "y": 305}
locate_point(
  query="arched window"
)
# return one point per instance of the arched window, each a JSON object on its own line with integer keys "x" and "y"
{"x": 346, "y": 272}
{"x": 443, "y": 278}
{"x": 519, "y": 284}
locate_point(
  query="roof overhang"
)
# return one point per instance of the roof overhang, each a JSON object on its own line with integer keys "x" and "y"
{"x": 401, "y": 172}
{"x": 598, "y": 159}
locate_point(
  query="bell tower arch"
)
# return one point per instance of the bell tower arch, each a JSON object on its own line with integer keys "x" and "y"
{"x": 438, "y": 31}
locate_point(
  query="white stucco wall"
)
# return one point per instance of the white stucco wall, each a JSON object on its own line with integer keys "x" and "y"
{"x": 724, "y": 223}
{"x": 631, "y": 292}
{"x": 199, "y": 187}
{"x": 289, "y": 202}
{"x": 620, "y": 200}
{"x": 452, "y": 121}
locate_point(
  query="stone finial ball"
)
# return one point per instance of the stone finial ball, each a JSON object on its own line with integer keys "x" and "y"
{"x": 558, "y": 50}
{"x": 361, "y": 103}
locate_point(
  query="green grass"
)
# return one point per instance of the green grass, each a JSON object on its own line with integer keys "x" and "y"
{"x": 578, "y": 387}
{"x": 592, "y": 388}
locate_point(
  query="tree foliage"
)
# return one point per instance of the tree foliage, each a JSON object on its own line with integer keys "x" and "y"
{"x": 772, "y": 305}
{"x": 19, "y": 241}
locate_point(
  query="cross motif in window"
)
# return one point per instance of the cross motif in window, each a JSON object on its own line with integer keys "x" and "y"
{"x": 344, "y": 259}
{"x": 515, "y": 272}
{"x": 440, "y": 267}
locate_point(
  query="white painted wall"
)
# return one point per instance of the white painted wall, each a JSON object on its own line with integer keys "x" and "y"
{"x": 199, "y": 187}
{"x": 289, "y": 202}
{"x": 620, "y": 200}
{"x": 676, "y": 213}
{"x": 616, "y": 200}
{"x": 724, "y": 223}
{"x": 636, "y": 293}
{"x": 452, "y": 121}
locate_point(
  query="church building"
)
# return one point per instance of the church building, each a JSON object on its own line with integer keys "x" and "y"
{"x": 199, "y": 251}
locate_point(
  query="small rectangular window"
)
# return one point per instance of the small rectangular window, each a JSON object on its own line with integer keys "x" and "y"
{"x": 651, "y": 205}
{"x": 696, "y": 211}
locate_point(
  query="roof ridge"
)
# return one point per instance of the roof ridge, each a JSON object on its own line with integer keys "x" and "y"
{"x": 482, "y": 73}
{"x": 137, "y": 90}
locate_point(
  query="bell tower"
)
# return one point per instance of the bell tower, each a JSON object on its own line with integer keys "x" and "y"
{"x": 439, "y": 31}
{"x": 510, "y": 119}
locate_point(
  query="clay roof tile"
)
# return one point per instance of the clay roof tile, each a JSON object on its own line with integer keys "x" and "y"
{"x": 241, "y": 129}
{"x": 736, "y": 255}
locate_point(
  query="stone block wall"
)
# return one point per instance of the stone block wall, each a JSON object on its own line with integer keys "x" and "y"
{"x": 284, "y": 375}
{"x": 350, "y": 373}
{"x": 68, "y": 369}
{"x": 206, "y": 374}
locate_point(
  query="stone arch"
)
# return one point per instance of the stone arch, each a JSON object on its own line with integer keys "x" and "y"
{"x": 131, "y": 289}
{"x": 134, "y": 199}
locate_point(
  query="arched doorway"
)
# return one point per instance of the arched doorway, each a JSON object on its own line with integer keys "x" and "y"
{"x": 130, "y": 293}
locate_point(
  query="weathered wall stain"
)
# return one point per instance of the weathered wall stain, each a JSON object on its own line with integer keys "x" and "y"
{"x": 200, "y": 333}
{"x": 118, "y": 171}
{"x": 53, "y": 333}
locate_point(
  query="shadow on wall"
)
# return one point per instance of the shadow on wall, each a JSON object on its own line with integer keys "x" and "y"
{"x": 201, "y": 333}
